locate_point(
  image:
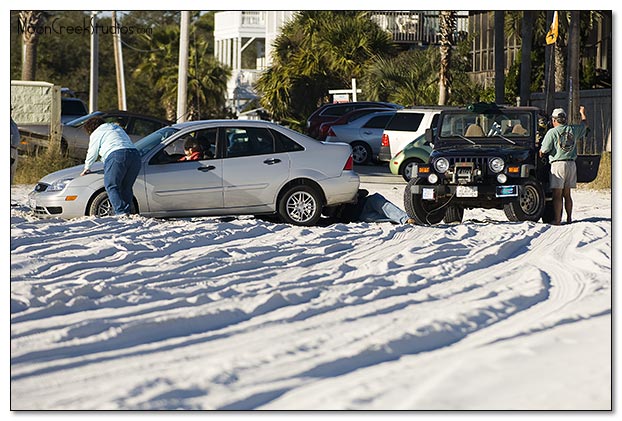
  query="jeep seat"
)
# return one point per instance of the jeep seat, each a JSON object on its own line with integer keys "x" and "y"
{"x": 474, "y": 130}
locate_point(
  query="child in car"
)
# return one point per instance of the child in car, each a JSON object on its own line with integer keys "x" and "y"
{"x": 192, "y": 149}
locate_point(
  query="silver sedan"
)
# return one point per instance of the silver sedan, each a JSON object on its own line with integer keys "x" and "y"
{"x": 363, "y": 134}
{"x": 245, "y": 167}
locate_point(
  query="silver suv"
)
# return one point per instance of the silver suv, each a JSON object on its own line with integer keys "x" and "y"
{"x": 405, "y": 126}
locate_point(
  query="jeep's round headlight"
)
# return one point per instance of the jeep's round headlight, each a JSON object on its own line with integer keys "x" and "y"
{"x": 496, "y": 165}
{"x": 441, "y": 165}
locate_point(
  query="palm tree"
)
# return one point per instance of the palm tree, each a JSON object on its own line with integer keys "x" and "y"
{"x": 525, "y": 69}
{"x": 31, "y": 22}
{"x": 315, "y": 52}
{"x": 447, "y": 25}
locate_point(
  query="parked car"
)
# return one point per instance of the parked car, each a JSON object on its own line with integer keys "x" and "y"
{"x": 407, "y": 125}
{"x": 72, "y": 108}
{"x": 364, "y": 135}
{"x": 14, "y": 146}
{"x": 331, "y": 112}
{"x": 248, "y": 167}
{"x": 406, "y": 161}
{"x": 345, "y": 119}
{"x": 75, "y": 141}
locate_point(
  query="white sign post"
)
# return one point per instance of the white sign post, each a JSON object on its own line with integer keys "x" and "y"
{"x": 338, "y": 94}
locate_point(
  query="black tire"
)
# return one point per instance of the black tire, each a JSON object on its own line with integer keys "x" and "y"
{"x": 529, "y": 205}
{"x": 101, "y": 206}
{"x": 548, "y": 216}
{"x": 454, "y": 214}
{"x": 422, "y": 211}
{"x": 300, "y": 205}
{"x": 361, "y": 153}
{"x": 406, "y": 169}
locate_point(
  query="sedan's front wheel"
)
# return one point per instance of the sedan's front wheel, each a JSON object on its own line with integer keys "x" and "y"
{"x": 101, "y": 206}
{"x": 301, "y": 205}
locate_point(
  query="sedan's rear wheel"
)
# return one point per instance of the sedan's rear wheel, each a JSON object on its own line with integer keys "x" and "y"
{"x": 361, "y": 153}
{"x": 301, "y": 205}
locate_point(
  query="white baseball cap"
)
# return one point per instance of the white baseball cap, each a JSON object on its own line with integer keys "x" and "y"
{"x": 558, "y": 113}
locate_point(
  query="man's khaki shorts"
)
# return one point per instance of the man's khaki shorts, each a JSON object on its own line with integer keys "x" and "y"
{"x": 563, "y": 174}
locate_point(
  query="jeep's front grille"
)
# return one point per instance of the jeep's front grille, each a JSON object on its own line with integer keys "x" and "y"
{"x": 479, "y": 161}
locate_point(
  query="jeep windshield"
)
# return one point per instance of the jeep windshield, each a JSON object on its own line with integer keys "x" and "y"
{"x": 486, "y": 128}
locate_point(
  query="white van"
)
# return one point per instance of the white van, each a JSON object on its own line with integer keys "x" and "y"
{"x": 406, "y": 125}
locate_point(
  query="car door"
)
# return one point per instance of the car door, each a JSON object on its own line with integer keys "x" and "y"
{"x": 185, "y": 187}
{"x": 371, "y": 131}
{"x": 253, "y": 170}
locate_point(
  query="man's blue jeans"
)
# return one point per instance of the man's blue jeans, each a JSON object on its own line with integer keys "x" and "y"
{"x": 121, "y": 168}
{"x": 378, "y": 209}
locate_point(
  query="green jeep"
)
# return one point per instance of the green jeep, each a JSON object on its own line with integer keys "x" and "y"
{"x": 486, "y": 156}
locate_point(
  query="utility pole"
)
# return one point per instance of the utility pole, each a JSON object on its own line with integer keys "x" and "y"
{"x": 182, "y": 82}
{"x": 499, "y": 58}
{"x": 573, "y": 68}
{"x": 94, "y": 73}
{"x": 118, "y": 61}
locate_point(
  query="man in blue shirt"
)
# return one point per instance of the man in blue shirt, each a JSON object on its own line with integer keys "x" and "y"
{"x": 121, "y": 161}
{"x": 560, "y": 142}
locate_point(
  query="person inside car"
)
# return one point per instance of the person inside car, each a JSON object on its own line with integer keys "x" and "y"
{"x": 192, "y": 149}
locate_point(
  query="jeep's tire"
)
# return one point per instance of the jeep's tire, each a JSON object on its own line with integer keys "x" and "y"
{"x": 407, "y": 167}
{"x": 300, "y": 205}
{"x": 422, "y": 211}
{"x": 454, "y": 214}
{"x": 548, "y": 216}
{"x": 529, "y": 205}
{"x": 361, "y": 153}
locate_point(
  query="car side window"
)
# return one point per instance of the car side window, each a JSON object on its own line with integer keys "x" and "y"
{"x": 248, "y": 141}
{"x": 117, "y": 119}
{"x": 378, "y": 122}
{"x": 405, "y": 122}
{"x": 202, "y": 141}
{"x": 285, "y": 144}
{"x": 144, "y": 127}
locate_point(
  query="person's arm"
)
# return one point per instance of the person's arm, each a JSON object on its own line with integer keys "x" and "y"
{"x": 93, "y": 152}
{"x": 546, "y": 143}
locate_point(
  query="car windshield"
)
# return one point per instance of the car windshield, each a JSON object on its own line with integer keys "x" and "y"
{"x": 486, "y": 128}
{"x": 80, "y": 120}
{"x": 147, "y": 143}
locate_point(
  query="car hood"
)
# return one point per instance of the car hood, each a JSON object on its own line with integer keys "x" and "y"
{"x": 96, "y": 175}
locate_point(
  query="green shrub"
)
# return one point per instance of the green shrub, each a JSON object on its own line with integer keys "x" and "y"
{"x": 603, "y": 179}
{"x": 30, "y": 168}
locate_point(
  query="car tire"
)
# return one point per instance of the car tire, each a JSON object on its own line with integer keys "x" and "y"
{"x": 361, "y": 153}
{"x": 406, "y": 169}
{"x": 300, "y": 205}
{"x": 529, "y": 205}
{"x": 423, "y": 212}
{"x": 100, "y": 206}
{"x": 454, "y": 214}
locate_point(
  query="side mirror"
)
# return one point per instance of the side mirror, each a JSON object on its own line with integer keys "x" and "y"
{"x": 429, "y": 133}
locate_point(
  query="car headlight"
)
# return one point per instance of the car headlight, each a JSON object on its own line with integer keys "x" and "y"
{"x": 496, "y": 165}
{"x": 441, "y": 165}
{"x": 59, "y": 185}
